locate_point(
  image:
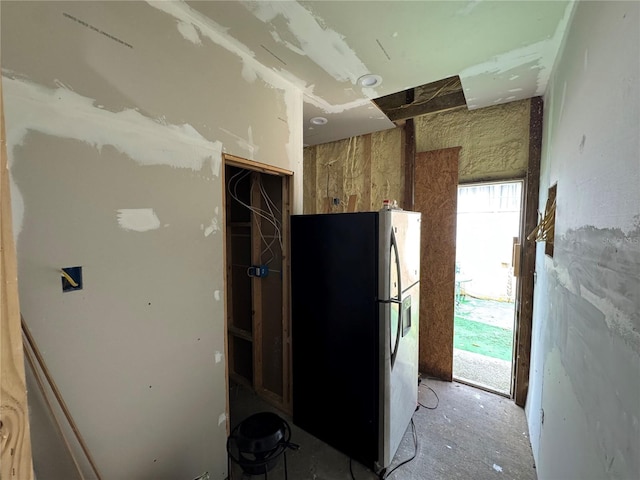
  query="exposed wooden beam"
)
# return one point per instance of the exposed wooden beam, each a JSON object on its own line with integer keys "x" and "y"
{"x": 528, "y": 259}
{"x": 436, "y": 104}
{"x": 409, "y": 153}
{"x": 432, "y": 97}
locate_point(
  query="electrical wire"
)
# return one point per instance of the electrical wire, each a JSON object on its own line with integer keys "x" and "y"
{"x": 436, "y": 395}
{"x": 351, "y": 469}
{"x": 384, "y": 475}
{"x": 270, "y": 204}
{"x": 268, "y": 215}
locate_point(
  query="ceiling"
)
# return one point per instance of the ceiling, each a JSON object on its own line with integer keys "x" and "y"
{"x": 502, "y": 51}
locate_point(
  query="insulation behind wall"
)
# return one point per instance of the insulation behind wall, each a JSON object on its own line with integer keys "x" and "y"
{"x": 494, "y": 140}
{"x": 368, "y": 166}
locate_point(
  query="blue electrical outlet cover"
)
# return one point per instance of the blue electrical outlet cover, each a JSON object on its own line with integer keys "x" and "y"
{"x": 258, "y": 271}
{"x": 76, "y": 275}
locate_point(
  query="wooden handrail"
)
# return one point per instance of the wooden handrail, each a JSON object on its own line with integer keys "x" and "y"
{"x": 31, "y": 343}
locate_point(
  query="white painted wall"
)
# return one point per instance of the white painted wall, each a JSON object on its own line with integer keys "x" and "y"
{"x": 117, "y": 114}
{"x": 585, "y": 369}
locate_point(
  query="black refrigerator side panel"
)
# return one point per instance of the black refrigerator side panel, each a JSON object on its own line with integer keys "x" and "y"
{"x": 334, "y": 277}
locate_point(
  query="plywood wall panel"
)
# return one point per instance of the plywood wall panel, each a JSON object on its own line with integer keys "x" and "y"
{"x": 436, "y": 187}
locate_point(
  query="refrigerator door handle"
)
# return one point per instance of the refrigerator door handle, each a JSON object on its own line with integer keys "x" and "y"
{"x": 394, "y": 351}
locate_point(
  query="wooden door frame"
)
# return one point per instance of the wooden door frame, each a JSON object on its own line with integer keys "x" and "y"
{"x": 516, "y": 321}
{"x": 287, "y": 201}
{"x": 526, "y": 282}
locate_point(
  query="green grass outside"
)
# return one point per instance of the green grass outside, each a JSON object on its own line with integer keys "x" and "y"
{"x": 481, "y": 338}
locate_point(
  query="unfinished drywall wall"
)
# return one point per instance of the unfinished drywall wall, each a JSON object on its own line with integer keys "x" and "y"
{"x": 117, "y": 114}
{"x": 494, "y": 140}
{"x": 584, "y": 397}
{"x": 369, "y": 167}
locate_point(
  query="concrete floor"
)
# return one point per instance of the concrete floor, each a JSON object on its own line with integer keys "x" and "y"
{"x": 472, "y": 434}
{"x": 486, "y": 372}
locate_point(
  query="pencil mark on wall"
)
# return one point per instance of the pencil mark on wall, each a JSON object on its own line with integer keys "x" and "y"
{"x": 383, "y": 49}
{"x": 96, "y": 29}
{"x": 274, "y": 55}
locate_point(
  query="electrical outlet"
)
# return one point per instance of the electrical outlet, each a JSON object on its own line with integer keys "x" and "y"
{"x": 71, "y": 279}
{"x": 258, "y": 271}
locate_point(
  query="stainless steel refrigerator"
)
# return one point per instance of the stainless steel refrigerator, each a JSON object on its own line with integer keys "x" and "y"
{"x": 355, "y": 304}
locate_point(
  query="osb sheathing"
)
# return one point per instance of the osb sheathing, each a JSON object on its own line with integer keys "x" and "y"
{"x": 494, "y": 140}
{"x": 436, "y": 197}
{"x": 368, "y": 166}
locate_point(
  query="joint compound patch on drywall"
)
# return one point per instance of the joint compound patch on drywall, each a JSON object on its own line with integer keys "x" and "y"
{"x": 245, "y": 143}
{"x": 66, "y": 114}
{"x": 212, "y": 228}
{"x": 138, "y": 219}
{"x": 600, "y": 266}
{"x": 218, "y": 356}
{"x": 538, "y": 56}
{"x": 189, "y": 32}
{"x": 63, "y": 113}
{"x": 222, "y": 419}
{"x": 252, "y": 69}
{"x": 216, "y": 295}
{"x": 326, "y": 47}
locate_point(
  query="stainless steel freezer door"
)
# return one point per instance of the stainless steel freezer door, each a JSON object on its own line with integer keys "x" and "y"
{"x": 406, "y": 227}
{"x": 400, "y": 383}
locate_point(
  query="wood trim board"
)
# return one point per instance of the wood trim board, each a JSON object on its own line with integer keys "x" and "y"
{"x": 15, "y": 438}
{"x": 255, "y": 166}
{"x": 409, "y": 162}
{"x": 524, "y": 310}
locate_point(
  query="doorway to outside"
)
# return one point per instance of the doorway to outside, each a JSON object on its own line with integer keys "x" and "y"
{"x": 488, "y": 223}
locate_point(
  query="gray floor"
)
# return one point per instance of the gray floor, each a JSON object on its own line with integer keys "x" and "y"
{"x": 472, "y": 434}
{"x": 486, "y": 372}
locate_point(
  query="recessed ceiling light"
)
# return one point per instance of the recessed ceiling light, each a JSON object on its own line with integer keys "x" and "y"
{"x": 319, "y": 121}
{"x": 370, "y": 80}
